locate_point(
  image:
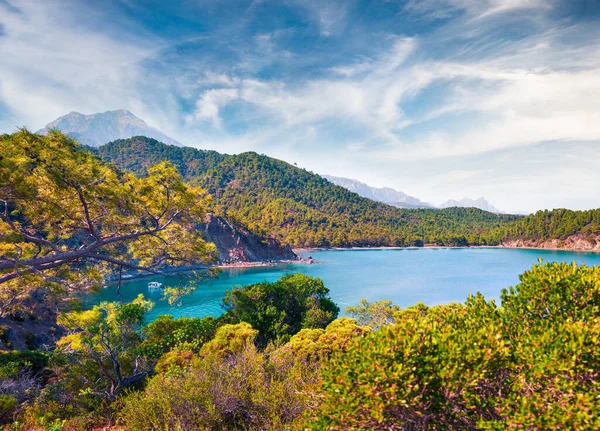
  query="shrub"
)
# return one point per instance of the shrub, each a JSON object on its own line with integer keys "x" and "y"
{"x": 244, "y": 390}
{"x": 8, "y": 405}
{"x": 533, "y": 364}
{"x": 230, "y": 340}
{"x": 281, "y": 309}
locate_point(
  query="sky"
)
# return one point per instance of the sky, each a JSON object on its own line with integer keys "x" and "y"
{"x": 439, "y": 99}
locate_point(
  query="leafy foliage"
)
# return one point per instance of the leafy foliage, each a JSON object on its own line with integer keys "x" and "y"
{"x": 230, "y": 340}
{"x": 319, "y": 344}
{"x": 373, "y": 314}
{"x": 67, "y": 219}
{"x": 245, "y": 391}
{"x": 533, "y": 364}
{"x": 234, "y": 386}
{"x": 101, "y": 350}
{"x": 281, "y": 309}
{"x": 166, "y": 334}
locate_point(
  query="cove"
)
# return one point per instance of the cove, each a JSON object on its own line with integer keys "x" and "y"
{"x": 404, "y": 276}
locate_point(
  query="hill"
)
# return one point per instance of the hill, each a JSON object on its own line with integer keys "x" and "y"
{"x": 556, "y": 229}
{"x": 271, "y": 197}
{"x": 97, "y": 129}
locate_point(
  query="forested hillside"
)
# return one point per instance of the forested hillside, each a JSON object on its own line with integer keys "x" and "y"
{"x": 555, "y": 224}
{"x": 559, "y": 228}
{"x": 274, "y": 198}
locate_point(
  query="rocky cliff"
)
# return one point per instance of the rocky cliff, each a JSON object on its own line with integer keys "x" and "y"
{"x": 578, "y": 242}
{"x": 237, "y": 245}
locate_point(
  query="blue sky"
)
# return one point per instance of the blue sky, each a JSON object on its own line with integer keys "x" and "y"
{"x": 438, "y": 98}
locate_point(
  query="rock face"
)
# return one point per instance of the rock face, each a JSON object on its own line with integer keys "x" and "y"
{"x": 237, "y": 245}
{"x": 35, "y": 329}
{"x": 576, "y": 242}
{"x": 97, "y": 129}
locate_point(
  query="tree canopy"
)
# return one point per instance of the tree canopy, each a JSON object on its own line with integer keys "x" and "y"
{"x": 281, "y": 309}
{"x": 531, "y": 364}
{"x": 67, "y": 219}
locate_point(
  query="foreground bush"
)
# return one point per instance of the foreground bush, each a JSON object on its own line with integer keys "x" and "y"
{"x": 533, "y": 364}
{"x": 236, "y": 391}
{"x": 281, "y": 309}
{"x": 233, "y": 386}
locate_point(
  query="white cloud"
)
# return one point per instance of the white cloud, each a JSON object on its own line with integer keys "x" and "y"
{"x": 370, "y": 99}
{"x": 475, "y": 9}
{"x": 330, "y": 15}
{"x": 520, "y": 102}
{"x": 461, "y": 91}
{"x": 51, "y": 64}
{"x": 210, "y": 103}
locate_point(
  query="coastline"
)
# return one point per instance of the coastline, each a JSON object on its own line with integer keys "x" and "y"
{"x": 309, "y": 260}
{"x": 174, "y": 270}
{"x": 430, "y": 246}
{"x": 263, "y": 263}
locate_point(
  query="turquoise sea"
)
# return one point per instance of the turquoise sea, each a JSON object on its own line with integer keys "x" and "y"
{"x": 404, "y": 276}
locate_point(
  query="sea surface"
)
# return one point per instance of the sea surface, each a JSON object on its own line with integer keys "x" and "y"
{"x": 404, "y": 276}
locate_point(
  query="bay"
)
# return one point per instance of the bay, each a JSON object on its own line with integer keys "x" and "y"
{"x": 404, "y": 276}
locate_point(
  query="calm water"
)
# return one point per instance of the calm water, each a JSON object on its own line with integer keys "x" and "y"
{"x": 405, "y": 276}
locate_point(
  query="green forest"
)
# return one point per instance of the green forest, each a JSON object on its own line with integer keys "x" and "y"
{"x": 274, "y": 198}
{"x": 557, "y": 224}
{"x": 280, "y": 357}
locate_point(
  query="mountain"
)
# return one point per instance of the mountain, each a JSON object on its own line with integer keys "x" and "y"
{"x": 97, "y": 129}
{"x": 275, "y": 199}
{"x": 385, "y": 194}
{"x": 402, "y": 200}
{"x": 480, "y": 203}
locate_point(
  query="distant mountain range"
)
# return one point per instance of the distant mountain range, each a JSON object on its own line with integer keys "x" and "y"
{"x": 480, "y": 203}
{"x": 402, "y": 200}
{"x": 98, "y": 129}
{"x": 384, "y": 194}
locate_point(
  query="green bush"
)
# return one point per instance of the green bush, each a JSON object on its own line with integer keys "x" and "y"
{"x": 533, "y": 364}
{"x": 8, "y": 405}
{"x": 281, "y": 309}
{"x": 187, "y": 334}
{"x": 230, "y": 340}
{"x": 34, "y": 360}
{"x": 244, "y": 391}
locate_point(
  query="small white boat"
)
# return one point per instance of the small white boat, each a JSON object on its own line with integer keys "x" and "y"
{"x": 154, "y": 285}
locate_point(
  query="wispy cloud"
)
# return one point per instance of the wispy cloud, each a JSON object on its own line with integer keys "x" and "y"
{"x": 474, "y": 9}
{"x": 412, "y": 94}
{"x": 51, "y": 61}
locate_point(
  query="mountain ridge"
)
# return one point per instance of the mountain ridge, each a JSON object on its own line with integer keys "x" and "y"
{"x": 480, "y": 203}
{"x": 100, "y": 128}
{"x": 386, "y": 195}
{"x": 400, "y": 199}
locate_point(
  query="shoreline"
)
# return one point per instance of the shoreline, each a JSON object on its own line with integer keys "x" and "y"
{"x": 428, "y": 246}
{"x": 263, "y": 263}
{"x": 175, "y": 270}
{"x": 309, "y": 261}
